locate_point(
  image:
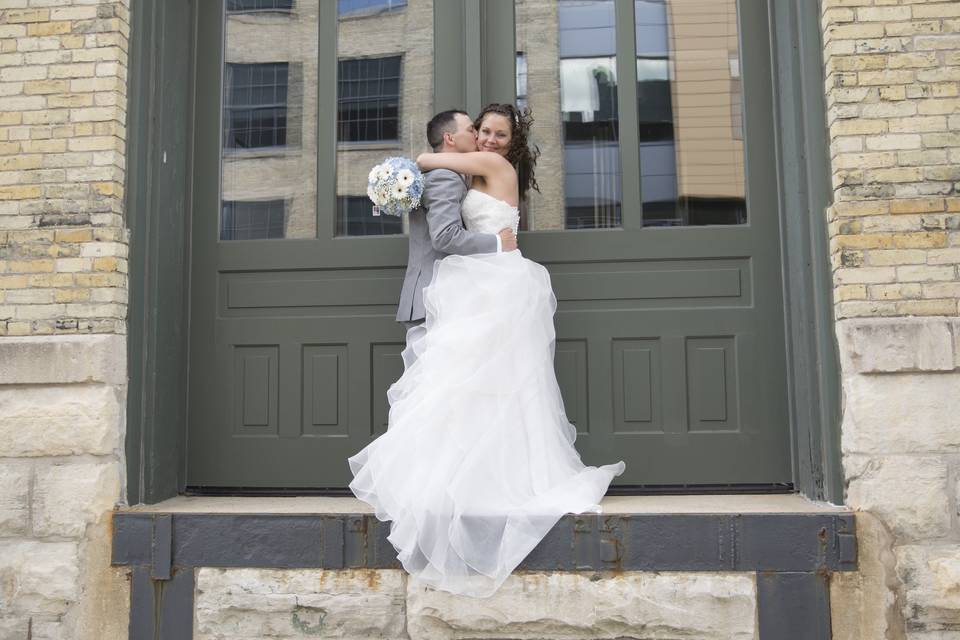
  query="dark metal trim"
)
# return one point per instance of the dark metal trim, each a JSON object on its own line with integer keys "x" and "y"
{"x": 793, "y": 606}
{"x": 161, "y": 610}
{"x": 621, "y": 542}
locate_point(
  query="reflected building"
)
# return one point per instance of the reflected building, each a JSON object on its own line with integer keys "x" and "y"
{"x": 688, "y": 111}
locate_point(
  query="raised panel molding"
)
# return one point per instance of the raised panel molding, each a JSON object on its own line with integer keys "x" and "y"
{"x": 637, "y": 384}
{"x": 386, "y": 367}
{"x": 712, "y": 386}
{"x": 255, "y": 368}
{"x": 325, "y": 383}
{"x": 570, "y": 364}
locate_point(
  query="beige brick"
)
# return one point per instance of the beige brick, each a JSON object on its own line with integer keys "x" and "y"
{"x": 17, "y": 74}
{"x": 938, "y": 107}
{"x": 44, "y": 146}
{"x": 924, "y": 273}
{"x": 20, "y": 163}
{"x": 939, "y": 74}
{"x": 895, "y": 291}
{"x": 74, "y": 235}
{"x": 45, "y": 86}
{"x": 109, "y": 279}
{"x": 896, "y": 174}
{"x": 917, "y": 124}
{"x": 73, "y": 13}
{"x": 850, "y": 292}
{"x": 13, "y": 282}
{"x": 51, "y": 280}
{"x": 944, "y": 256}
{"x": 941, "y": 290}
{"x": 72, "y": 265}
{"x": 79, "y": 70}
{"x": 892, "y": 257}
{"x": 936, "y": 10}
{"x": 852, "y": 31}
{"x": 885, "y": 77}
{"x": 893, "y": 93}
{"x": 865, "y": 160}
{"x": 883, "y": 14}
{"x": 48, "y": 28}
{"x": 863, "y": 241}
{"x": 857, "y": 127}
{"x": 916, "y": 205}
{"x": 20, "y": 192}
{"x": 71, "y": 295}
{"x": 888, "y": 110}
{"x": 926, "y": 307}
{"x": 31, "y": 15}
{"x": 936, "y": 42}
{"x": 871, "y": 308}
{"x": 920, "y": 240}
{"x": 912, "y": 28}
{"x": 865, "y": 275}
{"x": 71, "y": 100}
{"x": 30, "y": 296}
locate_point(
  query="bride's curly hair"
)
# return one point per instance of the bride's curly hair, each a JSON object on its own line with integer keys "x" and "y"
{"x": 520, "y": 154}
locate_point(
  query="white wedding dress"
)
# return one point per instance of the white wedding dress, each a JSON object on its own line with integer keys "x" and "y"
{"x": 478, "y": 462}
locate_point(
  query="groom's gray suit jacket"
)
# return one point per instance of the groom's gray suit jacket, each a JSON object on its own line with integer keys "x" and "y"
{"x": 436, "y": 231}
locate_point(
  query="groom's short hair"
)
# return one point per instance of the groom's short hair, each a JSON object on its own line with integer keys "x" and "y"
{"x": 443, "y": 122}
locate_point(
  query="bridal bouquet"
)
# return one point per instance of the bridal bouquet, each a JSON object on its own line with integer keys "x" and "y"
{"x": 395, "y": 186}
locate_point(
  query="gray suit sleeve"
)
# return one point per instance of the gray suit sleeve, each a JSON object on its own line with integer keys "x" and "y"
{"x": 442, "y": 194}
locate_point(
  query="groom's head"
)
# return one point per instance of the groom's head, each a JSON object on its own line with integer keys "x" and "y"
{"x": 452, "y": 131}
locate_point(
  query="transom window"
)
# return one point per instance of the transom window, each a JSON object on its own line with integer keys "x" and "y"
{"x": 255, "y": 113}
{"x": 368, "y": 99}
{"x": 358, "y": 8}
{"x": 259, "y": 6}
{"x": 252, "y": 219}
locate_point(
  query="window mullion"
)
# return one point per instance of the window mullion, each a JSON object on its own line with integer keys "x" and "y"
{"x": 627, "y": 116}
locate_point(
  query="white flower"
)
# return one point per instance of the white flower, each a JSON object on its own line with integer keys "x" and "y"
{"x": 376, "y": 196}
{"x": 405, "y": 177}
{"x": 385, "y": 171}
{"x": 398, "y": 191}
{"x": 374, "y": 174}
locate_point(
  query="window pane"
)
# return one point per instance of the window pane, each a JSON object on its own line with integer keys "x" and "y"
{"x": 269, "y": 186}
{"x": 566, "y": 73}
{"x": 384, "y": 100}
{"x": 689, "y": 103}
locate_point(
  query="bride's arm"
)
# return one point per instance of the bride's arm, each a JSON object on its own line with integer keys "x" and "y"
{"x": 474, "y": 163}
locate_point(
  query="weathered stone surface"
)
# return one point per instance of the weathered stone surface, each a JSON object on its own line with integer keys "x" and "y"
{"x": 931, "y": 584}
{"x": 863, "y": 603}
{"x": 879, "y": 345}
{"x": 268, "y": 603}
{"x": 38, "y": 577}
{"x": 584, "y": 605}
{"x": 901, "y": 413}
{"x": 63, "y": 359}
{"x": 60, "y": 420}
{"x": 69, "y": 496}
{"x": 908, "y": 492}
{"x": 38, "y": 628}
{"x": 14, "y": 497}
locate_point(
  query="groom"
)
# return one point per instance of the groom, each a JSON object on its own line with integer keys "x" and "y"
{"x": 436, "y": 228}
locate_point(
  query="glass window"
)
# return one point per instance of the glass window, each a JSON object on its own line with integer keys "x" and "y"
{"x": 355, "y": 218}
{"x": 384, "y": 101}
{"x": 689, "y": 111}
{"x": 568, "y": 78}
{"x": 257, "y": 6}
{"x": 269, "y": 149}
{"x": 256, "y": 105}
{"x": 357, "y": 8}
{"x": 252, "y": 220}
{"x": 368, "y": 99}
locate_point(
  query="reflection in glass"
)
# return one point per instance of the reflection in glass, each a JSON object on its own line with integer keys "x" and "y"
{"x": 384, "y": 100}
{"x": 689, "y": 104}
{"x": 269, "y": 186}
{"x": 569, "y": 80}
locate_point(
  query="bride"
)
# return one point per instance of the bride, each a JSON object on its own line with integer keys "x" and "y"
{"x": 478, "y": 461}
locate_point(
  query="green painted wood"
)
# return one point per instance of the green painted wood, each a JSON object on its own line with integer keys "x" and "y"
{"x": 631, "y": 207}
{"x": 156, "y": 207}
{"x": 674, "y": 337}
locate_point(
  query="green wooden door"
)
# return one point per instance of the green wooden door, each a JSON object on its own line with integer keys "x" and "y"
{"x": 657, "y": 217}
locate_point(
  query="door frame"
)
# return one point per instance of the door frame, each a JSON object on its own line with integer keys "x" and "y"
{"x": 159, "y": 193}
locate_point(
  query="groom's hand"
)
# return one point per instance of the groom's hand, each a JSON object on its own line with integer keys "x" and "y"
{"x": 508, "y": 240}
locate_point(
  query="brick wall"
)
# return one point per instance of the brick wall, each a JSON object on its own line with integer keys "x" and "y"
{"x": 892, "y": 90}
{"x": 893, "y": 97}
{"x": 63, "y": 247}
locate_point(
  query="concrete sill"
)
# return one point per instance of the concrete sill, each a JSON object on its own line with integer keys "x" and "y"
{"x": 650, "y": 505}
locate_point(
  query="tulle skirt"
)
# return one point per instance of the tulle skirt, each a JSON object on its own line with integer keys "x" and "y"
{"x": 478, "y": 461}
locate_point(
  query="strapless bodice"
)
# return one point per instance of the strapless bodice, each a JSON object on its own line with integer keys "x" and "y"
{"x": 484, "y": 213}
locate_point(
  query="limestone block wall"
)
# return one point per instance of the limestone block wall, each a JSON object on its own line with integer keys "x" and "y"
{"x": 892, "y": 72}
{"x": 248, "y": 604}
{"x": 63, "y": 293}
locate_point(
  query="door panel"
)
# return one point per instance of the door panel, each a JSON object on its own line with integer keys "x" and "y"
{"x": 657, "y": 222}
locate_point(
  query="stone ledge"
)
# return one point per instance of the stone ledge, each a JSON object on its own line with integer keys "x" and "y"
{"x": 63, "y": 359}
{"x": 895, "y": 345}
